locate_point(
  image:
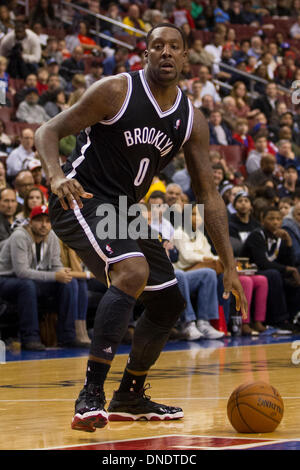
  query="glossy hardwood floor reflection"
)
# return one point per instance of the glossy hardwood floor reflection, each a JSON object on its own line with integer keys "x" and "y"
{"x": 37, "y": 397}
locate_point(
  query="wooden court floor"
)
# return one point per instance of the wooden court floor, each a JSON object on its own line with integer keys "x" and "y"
{"x": 37, "y": 399}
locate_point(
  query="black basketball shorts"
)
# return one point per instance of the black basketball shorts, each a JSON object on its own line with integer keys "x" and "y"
{"x": 78, "y": 229}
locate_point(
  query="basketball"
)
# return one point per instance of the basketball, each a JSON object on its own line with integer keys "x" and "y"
{"x": 255, "y": 407}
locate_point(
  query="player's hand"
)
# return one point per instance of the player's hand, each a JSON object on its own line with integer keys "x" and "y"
{"x": 232, "y": 284}
{"x": 69, "y": 192}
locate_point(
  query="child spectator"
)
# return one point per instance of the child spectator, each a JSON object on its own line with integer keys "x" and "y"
{"x": 285, "y": 206}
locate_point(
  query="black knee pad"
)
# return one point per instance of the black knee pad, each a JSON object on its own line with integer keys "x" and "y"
{"x": 164, "y": 307}
{"x": 154, "y": 326}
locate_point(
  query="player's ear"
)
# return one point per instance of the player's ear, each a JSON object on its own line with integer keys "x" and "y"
{"x": 146, "y": 55}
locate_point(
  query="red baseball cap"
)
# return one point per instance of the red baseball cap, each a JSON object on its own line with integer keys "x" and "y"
{"x": 39, "y": 210}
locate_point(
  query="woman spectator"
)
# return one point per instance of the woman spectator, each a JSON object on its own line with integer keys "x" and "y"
{"x": 240, "y": 95}
{"x": 33, "y": 198}
{"x": 88, "y": 44}
{"x": 56, "y": 105}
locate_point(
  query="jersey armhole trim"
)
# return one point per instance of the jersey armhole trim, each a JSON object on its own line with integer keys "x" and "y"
{"x": 123, "y": 108}
{"x": 190, "y": 123}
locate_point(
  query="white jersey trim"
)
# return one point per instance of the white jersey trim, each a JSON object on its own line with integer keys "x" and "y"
{"x": 161, "y": 286}
{"x": 148, "y": 92}
{"x": 123, "y": 108}
{"x": 81, "y": 158}
{"x": 190, "y": 123}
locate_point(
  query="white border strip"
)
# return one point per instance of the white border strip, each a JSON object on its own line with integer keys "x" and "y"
{"x": 120, "y": 113}
{"x": 161, "y": 286}
{"x": 148, "y": 91}
{"x": 190, "y": 123}
{"x": 81, "y": 158}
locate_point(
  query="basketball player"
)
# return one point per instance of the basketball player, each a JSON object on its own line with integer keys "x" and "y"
{"x": 134, "y": 124}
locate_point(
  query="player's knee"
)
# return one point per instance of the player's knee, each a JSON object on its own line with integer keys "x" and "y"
{"x": 166, "y": 307}
{"x": 131, "y": 275}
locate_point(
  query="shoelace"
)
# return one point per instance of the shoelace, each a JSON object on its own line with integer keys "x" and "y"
{"x": 143, "y": 394}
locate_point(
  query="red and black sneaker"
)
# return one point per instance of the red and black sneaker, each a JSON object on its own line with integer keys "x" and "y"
{"x": 89, "y": 409}
{"x": 133, "y": 406}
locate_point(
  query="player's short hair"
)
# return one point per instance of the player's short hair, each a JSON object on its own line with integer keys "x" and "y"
{"x": 166, "y": 25}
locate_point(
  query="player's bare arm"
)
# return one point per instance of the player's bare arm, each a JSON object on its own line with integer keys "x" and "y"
{"x": 100, "y": 102}
{"x": 199, "y": 167}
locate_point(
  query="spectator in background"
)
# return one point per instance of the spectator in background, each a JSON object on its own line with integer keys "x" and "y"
{"x": 23, "y": 183}
{"x": 241, "y": 134}
{"x": 51, "y": 51}
{"x": 198, "y": 55}
{"x": 30, "y": 82}
{"x": 3, "y": 183}
{"x": 57, "y": 104}
{"x": 32, "y": 253}
{"x": 88, "y": 44}
{"x": 291, "y": 223}
{"x": 267, "y": 104}
{"x": 219, "y": 132}
{"x": 256, "y": 47}
{"x": 29, "y": 110}
{"x": 285, "y": 206}
{"x": 134, "y": 20}
{"x": 35, "y": 167}
{"x": 23, "y": 50}
{"x": 96, "y": 72}
{"x": 73, "y": 65}
{"x": 270, "y": 248}
{"x": 8, "y": 209}
{"x": 42, "y": 80}
{"x": 119, "y": 58}
{"x": 290, "y": 179}
{"x": 5, "y": 140}
{"x": 182, "y": 15}
{"x": 4, "y": 77}
{"x": 208, "y": 88}
{"x": 53, "y": 69}
{"x": 295, "y": 29}
{"x": 255, "y": 155}
{"x": 20, "y": 156}
{"x": 285, "y": 155}
{"x": 207, "y": 105}
{"x": 71, "y": 261}
{"x": 43, "y": 13}
{"x": 53, "y": 86}
{"x": 242, "y": 223}
{"x": 6, "y": 23}
{"x": 34, "y": 197}
{"x": 266, "y": 172}
{"x": 216, "y": 47}
{"x": 218, "y": 174}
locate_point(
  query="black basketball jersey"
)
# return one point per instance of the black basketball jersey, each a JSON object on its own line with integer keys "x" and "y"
{"x": 120, "y": 156}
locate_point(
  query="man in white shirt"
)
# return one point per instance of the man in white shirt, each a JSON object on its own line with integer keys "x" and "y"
{"x": 19, "y": 157}
{"x": 29, "y": 110}
{"x": 216, "y": 48}
{"x": 23, "y": 49}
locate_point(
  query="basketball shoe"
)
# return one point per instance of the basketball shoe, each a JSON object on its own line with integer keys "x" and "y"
{"x": 135, "y": 406}
{"x": 89, "y": 409}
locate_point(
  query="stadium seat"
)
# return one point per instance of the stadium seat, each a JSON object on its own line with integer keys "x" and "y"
{"x": 6, "y": 113}
{"x": 233, "y": 154}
